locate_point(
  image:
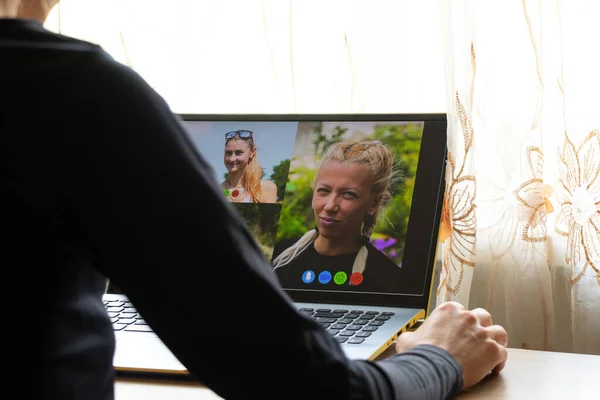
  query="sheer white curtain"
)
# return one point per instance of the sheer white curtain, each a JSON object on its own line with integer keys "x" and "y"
{"x": 272, "y": 56}
{"x": 522, "y": 220}
{"x": 519, "y": 80}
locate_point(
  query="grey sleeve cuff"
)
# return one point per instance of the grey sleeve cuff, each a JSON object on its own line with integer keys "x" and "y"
{"x": 422, "y": 373}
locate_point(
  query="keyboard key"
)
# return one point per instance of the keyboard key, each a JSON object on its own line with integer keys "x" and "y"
{"x": 346, "y": 333}
{"x": 382, "y": 317}
{"x": 363, "y": 334}
{"x": 138, "y": 328}
{"x": 329, "y": 315}
{"x": 356, "y": 340}
{"x": 340, "y": 339}
{"x": 126, "y": 321}
{"x": 370, "y": 328}
{"x": 326, "y": 320}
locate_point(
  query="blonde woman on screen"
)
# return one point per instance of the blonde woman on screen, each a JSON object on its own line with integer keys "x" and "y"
{"x": 351, "y": 190}
{"x": 244, "y": 183}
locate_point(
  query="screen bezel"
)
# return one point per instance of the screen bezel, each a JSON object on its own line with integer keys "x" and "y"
{"x": 423, "y": 224}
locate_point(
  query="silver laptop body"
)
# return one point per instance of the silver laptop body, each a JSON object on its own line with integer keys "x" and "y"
{"x": 138, "y": 349}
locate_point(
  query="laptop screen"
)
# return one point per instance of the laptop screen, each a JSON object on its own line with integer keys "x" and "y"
{"x": 341, "y": 205}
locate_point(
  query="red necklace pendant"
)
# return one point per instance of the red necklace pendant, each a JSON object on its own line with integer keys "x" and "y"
{"x": 235, "y": 193}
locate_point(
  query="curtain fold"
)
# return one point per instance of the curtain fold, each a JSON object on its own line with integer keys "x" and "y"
{"x": 523, "y": 202}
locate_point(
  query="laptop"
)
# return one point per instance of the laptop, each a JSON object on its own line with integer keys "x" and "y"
{"x": 363, "y": 320}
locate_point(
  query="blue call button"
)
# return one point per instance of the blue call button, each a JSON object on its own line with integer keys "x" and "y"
{"x": 325, "y": 277}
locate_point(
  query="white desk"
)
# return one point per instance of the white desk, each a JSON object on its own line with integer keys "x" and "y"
{"x": 528, "y": 375}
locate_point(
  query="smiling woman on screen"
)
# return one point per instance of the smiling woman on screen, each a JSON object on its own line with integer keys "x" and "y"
{"x": 244, "y": 183}
{"x": 351, "y": 189}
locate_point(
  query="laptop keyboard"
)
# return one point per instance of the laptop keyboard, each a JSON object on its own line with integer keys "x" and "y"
{"x": 351, "y": 327}
{"x": 125, "y": 317}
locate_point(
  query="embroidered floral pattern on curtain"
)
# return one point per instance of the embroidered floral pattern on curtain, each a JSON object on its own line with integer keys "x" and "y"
{"x": 521, "y": 228}
{"x": 579, "y": 197}
{"x": 458, "y": 215}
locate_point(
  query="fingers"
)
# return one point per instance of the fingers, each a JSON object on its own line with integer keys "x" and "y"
{"x": 483, "y": 316}
{"x": 457, "y": 305}
{"x": 499, "y": 367}
{"x": 503, "y": 357}
{"x": 404, "y": 341}
{"x": 499, "y": 334}
{"x": 451, "y": 305}
{"x": 495, "y": 332}
{"x": 445, "y": 309}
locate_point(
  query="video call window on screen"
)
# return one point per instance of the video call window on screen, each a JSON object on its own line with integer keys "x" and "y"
{"x": 274, "y": 174}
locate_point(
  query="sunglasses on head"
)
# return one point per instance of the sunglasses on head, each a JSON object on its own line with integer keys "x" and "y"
{"x": 243, "y": 134}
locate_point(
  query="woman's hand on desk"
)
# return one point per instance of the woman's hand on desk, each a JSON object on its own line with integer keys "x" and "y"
{"x": 470, "y": 337}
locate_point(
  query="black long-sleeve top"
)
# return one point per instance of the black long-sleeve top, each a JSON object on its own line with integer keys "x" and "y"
{"x": 101, "y": 180}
